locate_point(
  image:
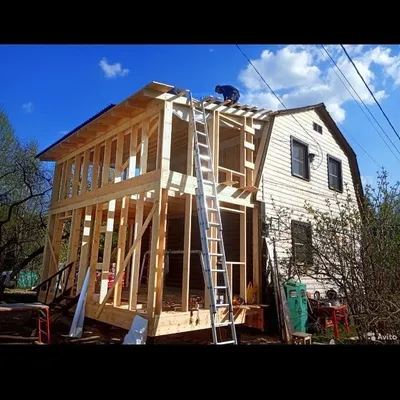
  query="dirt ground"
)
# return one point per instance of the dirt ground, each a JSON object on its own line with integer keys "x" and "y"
{"x": 21, "y": 328}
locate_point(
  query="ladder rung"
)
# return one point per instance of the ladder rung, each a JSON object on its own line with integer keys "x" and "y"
{"x": 214, "y": 239}
{"x": 228, "y": 342}
{"x": 203, "y": 145}
{"x": 222, "y": 305}
{"x": 201, "y": 133}
{"x": 206, "y": 181}
{"x": 220, "y": 287}
{"x": 218, "y": 325}
{"x": 214, "y": 224}
{"x": 204, "y": 157}
{"x": 212, "y": 209}
{"x": 215, "y": 254}
{"x": 205, "y": 169}
{"x": 217, "y": 270}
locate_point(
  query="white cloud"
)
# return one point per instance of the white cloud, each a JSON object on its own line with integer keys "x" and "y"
{"x": 112, "y": 70}
{"x": 28, "y": 107}
{"x": 301, "y": 75}
{"x": 211, "y": 50}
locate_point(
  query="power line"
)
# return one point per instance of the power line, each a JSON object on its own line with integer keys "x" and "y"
{"x": 280, "y": 101}
{"x": 366, "y": 116}
{"x": 358, "y": 143}
{"x": 366, "y": 85}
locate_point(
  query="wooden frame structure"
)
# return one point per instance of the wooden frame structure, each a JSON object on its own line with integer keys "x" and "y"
{"x": 125, "y": 180}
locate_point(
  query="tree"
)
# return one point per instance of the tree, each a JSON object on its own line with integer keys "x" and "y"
{"x": 25, "y": 186}
{"x": 355, "y": 249}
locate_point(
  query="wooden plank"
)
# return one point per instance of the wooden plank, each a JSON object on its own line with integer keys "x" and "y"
{"x": 135, "y": 263}
{"x": 84, "y": 258}
{"x": 132, "y": 152}
{"x": 188, "y": 227}
{"x": 85, "y": 171}
{"x": 56, "y": 183}
{"x": 249, "y": 164}
{"x": 77, "y": 174}
{"x": 98, "y": 220}
{"x": 131, "y": 186}
{"x": 161, "y": 247}
{"x": 56, "y": 243}
{"x": 249, "y": 146}
{"x": 243, "y": 274}
{"x": 249, "y": 129}
{"x": 74, "y": 235}
{"x": 68, "y": 177}
{"x": 256, "y": 251}
{"x": 62, "y": 181}
{"x": 106, "y": 162}
{"x": 231, "y": 120}
{"x": 46, "y": 253}
{"x": 96, "y": 168}
{"x": 128, "y": 256}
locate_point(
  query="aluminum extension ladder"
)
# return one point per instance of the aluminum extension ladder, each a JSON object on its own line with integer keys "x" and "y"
{"x": 207, "y": 205}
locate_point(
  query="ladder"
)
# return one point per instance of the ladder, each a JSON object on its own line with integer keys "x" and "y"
{"x": 208, "y": 205}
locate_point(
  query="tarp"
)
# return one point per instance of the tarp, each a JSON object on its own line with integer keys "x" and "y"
{"x": 138, "y": 332}
{"x": 76, "y": 330}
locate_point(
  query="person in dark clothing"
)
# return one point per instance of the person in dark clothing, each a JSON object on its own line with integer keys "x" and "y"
{"x": 229, "y": 92}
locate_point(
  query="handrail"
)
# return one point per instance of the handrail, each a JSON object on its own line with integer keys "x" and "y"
{"x": 50, "y": 278}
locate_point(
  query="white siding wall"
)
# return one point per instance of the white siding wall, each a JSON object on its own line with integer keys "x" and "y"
{"x": 290, "y": 191}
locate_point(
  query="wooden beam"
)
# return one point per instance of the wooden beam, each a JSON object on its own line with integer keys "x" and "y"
{"x": 127, "y": 187}
{"x": 46, "y": 253}
{"x": 135, "y": 263}
{"x": 84, "y": 258}
{"x": 106, "y": 162}
{"x": 128, "y": 256}
{"x": 162, "y": 233}
{"x": 56, "y": 183}
{"x": 98, "y": 220}
{"x": 74, "y": 235}
{"x": 243, "y": 256}
{"x": 77, "y": 174}
{"x": 85, "y": 171}
{"x": 256, "y": 252}
{"x": 123, "y": 217}
{"x": 188, "y": 227}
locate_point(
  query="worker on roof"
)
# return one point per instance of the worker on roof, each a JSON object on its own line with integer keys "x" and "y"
{"x": 229, "y": 92}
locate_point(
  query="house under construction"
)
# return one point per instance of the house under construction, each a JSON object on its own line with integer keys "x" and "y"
{"x": 125, "y": 182}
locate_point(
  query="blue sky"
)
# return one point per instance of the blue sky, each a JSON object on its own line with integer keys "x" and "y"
{"x": 48, "y": 90}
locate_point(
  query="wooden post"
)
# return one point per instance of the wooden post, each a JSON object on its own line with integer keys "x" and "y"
{"x": 123, "y": 217}
{"x": 84, "y": 258}
{"x": 256, "y": 252}
{"x": 188, "y": 227}
{"x": 155, "y": 284}
{"x": 74, "y": 235}
{"x": 56, "y": 242}
{"x": 98, "y": 220}
{"x": 85, "y": 171}
{"x": 77, "y": 174}
{"x": 214, "y": 143}
{"x": 135, "y": 263}
{"x": 243, "y": 275}
{"x": 56, "y": 183}
{"x": 46, "y": 253}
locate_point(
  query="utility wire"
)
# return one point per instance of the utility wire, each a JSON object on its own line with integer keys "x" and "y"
{"x": 366, "y": 116}
{"x": 361, "y": 100}
{"x": 366, "y": 85}
{"x": 280, "y": 101}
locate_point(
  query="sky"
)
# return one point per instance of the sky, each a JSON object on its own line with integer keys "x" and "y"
{"x": 48, "y": 90}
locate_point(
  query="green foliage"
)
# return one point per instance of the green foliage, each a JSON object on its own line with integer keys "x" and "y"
{"x": 356, "y": 248}
{"x": 24, "y": 196}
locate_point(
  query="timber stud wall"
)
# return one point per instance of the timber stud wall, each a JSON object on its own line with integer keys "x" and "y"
{"x": 119, "y": 184}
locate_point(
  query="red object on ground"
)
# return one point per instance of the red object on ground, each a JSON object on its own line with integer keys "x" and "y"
{"x": 43, "y": 316}
{"x": 335, "y": 314}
